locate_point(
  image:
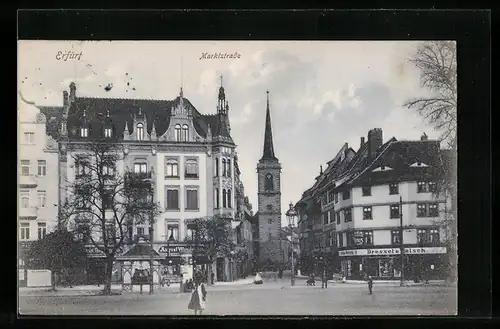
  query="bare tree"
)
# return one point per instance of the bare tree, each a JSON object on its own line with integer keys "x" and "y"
{"x": 102, "y": 201}
{"x": 212, "y": 238}
{"x": 437, "y": 63}
{"x": 438, "y": 74}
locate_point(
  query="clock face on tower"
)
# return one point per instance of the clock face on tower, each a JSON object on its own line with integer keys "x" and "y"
{"x": 268, "y": 182}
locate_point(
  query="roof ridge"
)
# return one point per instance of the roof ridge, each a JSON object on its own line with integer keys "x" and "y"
{"x": 132, "y": 99}
{"x": 376, "y": 158}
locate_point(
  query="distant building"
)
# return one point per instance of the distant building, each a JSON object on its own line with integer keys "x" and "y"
{"x": 289, "y": 244}
{"x": 189, "y": 156}
{"x": 242, "y": 230}
{"x": 365, "y": 198}
{"x": 37, "y": 177}
{"x": 316, "y": 222}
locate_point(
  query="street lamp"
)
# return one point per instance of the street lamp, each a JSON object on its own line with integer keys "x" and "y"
{"x": 231, "y": 265}
{"x": 290, "y": 215}
{"x": 151, "y": 232}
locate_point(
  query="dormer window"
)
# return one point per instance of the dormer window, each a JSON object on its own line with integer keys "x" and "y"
{"x": 140, "y": 132}
{"x": 177, "y": 133}
{"x": 84, "y": 132}
{"x": 419, "y": 164}
{"x": 108, "y": 132}
{"x": 185, "y": 133}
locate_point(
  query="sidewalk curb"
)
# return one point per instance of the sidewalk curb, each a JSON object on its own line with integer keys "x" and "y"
{"x": 385, "y": 282}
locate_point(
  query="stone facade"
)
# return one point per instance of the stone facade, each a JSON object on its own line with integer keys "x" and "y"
{"x": 38, "y": 174}
{"x": 169, "y": 141}
{"x": 269, "y": 199}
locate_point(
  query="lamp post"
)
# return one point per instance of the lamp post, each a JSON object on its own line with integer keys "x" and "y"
{"x": 149, "y": 180}
{"x": 151, "y": 254}
{"x": 401, "y": 240}
{"x": 290, "y": 215}
{"x": 323, "y": 260}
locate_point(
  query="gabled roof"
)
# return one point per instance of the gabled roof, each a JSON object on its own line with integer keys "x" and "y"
{"x": 53, "y": 115}
{"x": 398, "y": 155}
{"x": 140, "y": 250}
{"x": 123, "y": 110}
{"x": 361, "y": 160}
{"x": 337, "y": 167}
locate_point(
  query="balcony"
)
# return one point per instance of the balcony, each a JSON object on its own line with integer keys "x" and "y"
{"x": 138, "y": 180}
{"x": 224, "y": 212}
{"x": 31, "y": 212}
{"x": 28, "y": 181}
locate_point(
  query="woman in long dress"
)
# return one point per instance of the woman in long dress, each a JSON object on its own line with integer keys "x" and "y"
{"x": 198, "y": 298}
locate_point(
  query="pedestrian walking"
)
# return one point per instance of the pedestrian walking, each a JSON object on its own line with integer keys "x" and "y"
{"x": 370, "y": 284}
{"x": 198, "y": 298}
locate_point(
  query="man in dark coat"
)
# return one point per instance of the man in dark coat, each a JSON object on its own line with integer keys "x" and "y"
{"x": 370, "y": 284}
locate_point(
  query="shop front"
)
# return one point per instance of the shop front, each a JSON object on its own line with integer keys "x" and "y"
{"x": 420, "y": 263}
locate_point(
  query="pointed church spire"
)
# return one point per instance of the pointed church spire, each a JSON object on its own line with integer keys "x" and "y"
{"x": 209, "y": 132}
{"x": 268, "y": 135}
{"x": 126, "y": 133}
{"x": 153, "y": 131}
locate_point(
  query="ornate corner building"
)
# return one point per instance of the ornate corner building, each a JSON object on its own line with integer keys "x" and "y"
{"x": 191, "y": 162}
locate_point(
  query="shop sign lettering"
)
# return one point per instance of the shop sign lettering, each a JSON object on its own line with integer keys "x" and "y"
{"x": 392, "y": 251}
{"x": 173, "y": 250}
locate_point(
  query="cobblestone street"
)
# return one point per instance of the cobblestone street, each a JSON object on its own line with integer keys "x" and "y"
{"x": 273, "y": 298}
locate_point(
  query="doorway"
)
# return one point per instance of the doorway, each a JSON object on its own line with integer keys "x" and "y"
{"x": 220, "y": 269}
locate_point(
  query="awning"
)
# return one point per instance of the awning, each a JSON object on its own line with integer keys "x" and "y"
{"x": 202, "y": 260}
{"x": 173, "y": 260}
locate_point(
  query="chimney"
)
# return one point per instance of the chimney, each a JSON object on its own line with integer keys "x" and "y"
{"x": 65, "y": 98}
{"x": 374, "y": 142}
{"x": 321, "y": 170}
{"x": 362, "y": 142}
{"x": 72, "y": 91}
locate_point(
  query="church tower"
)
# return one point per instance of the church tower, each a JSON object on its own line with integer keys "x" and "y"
{"x": 269, "y": 198}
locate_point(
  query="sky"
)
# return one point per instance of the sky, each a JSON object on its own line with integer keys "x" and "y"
{"x": 322, "y": 94}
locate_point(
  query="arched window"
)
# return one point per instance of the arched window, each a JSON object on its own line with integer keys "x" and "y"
{"x": 191, "y": 169}
{"x": 229, "y": 203}
{"x": 84, "y": 132}
{"x": 228, "y": 173}
{"x": 216, "y": 167}
{"x": 185, "y": 133}
{"x": 140, "y": 132}
{"x": 224, "y": 200}
{"x": 177, "y": 133}
{"x": 217, "y": 204}
{"x": 224, "y": 167}
{"x": 140, "y": 167}
{"x": 108, "y": 132}
{"x": 172, "y": 168}
{"x": 268, "y": 182}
